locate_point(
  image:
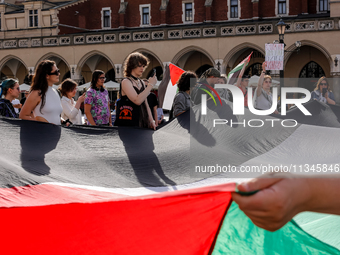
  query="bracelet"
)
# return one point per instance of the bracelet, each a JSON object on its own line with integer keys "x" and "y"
{"x": 264, "y": 72}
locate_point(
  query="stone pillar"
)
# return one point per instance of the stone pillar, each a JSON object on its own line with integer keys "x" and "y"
{"x": 256, "y": 14}
{"x": 119, "y": 71}
{"x": 76, "y": 74}
{"x": 335, "y": 75}
{"x": 30, "y": 70}
{"x": 218, "y": 65}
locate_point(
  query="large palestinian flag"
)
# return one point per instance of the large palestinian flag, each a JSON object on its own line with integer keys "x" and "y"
{"x": 88, "y": 190}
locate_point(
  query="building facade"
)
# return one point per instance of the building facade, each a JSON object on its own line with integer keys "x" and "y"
{"x": 82, "y": 36}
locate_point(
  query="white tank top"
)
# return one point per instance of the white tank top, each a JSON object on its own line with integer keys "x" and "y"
{"x": 52, "y": 108}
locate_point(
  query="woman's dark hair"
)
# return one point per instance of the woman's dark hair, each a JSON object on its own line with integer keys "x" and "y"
{"x": 95, "y": 78}
{"x": 39, "y": 81}
{"x": 183, "y": 82}
{"x": 134, "y": 60}
{"x": 6, "y": 85}
{"x": 67, "y": 85}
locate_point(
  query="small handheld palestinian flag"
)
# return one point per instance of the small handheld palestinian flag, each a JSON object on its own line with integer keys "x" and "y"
{"x": 168, "y": 88}
{"x": 233, "y": 74}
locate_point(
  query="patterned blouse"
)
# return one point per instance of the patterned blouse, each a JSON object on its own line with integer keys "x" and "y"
{"x": 99, "y": 105}
{"x": 7, "y": 109}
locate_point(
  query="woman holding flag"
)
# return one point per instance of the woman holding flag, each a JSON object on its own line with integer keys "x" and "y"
{"x": 133, "y": 108}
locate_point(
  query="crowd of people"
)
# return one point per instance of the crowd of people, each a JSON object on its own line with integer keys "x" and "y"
{"x": 136, "y": 104}
{"x": 278, "y": 200}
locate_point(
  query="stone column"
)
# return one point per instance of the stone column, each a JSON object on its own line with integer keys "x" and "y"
{"x": 76, "y": 74}
{"x": 335, "y": 75}
{"x": 218, "y": 66}
{"x": 119, "y": 71}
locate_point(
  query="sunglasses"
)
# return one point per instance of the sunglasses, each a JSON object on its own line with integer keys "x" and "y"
{"x": 323, "y": 84}
{"x": 102, "y": 78}
{"x": 56, "y": 72}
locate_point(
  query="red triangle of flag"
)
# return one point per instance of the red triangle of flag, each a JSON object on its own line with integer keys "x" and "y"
{"x": 175, "y": 73}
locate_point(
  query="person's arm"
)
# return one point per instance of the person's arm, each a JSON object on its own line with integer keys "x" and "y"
{"x": 71, "y": 112}
{"x": 314, "y": 96}
{"x": 280, "y": 199}
{"x": 130, "y": 92}
{"x": 18, "y": 106}
{"x": 179, "y": 104}
{"x": 151, "y": 120}
{"x": 32, "y": 101}
{"x": 260, "y": 83}
{"x": 328, "y": 98}
{"x": 87, "y": 110}
{"x": 239, "y": 79}
{"x": 110, "y": 118}
{"x": 155, "y": 114}
{"x": 88, "y": 106}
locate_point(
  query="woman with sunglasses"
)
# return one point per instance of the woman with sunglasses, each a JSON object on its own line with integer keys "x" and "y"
{"x": 263, "y": 98}
{"x": 43, "y": 101}
{"x": 133, "y": 108}
{"x": 97, "y": 101}
{"x": 322, "y": 93}
{"x": 10, "y": 89}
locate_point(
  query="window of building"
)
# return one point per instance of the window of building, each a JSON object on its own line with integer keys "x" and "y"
{"x": 145, "y": 10}
{"x": 323, "y": 5}
{"x": 311, "y": 74}
{"x": 254, "y": 69}
{"x": 188, "y": 12}
{"x": 106, "y": 18}
{"x": 233, "y": 8}
{"x": 145, "y": 18}
{"x": 282, "y": 7}
{"x": 312, "y": 70}
{"x": 33, "y": 18}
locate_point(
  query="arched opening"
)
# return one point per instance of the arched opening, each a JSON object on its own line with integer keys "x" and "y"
{"x": 310, "y": 74}
{"x": 254, "y": 69}
{"x": 255, "y": 64}
{"x": 95, "y": 62}
{"x": 202, "y": 69}
{"x": 110, "y": 75}
{"x": 66, "y": 76}
{"x": 312, "y": 70}
{"x": 194, "y": 60}
{"x": 14, "y": 68}
{"x": 309, "y": 64}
